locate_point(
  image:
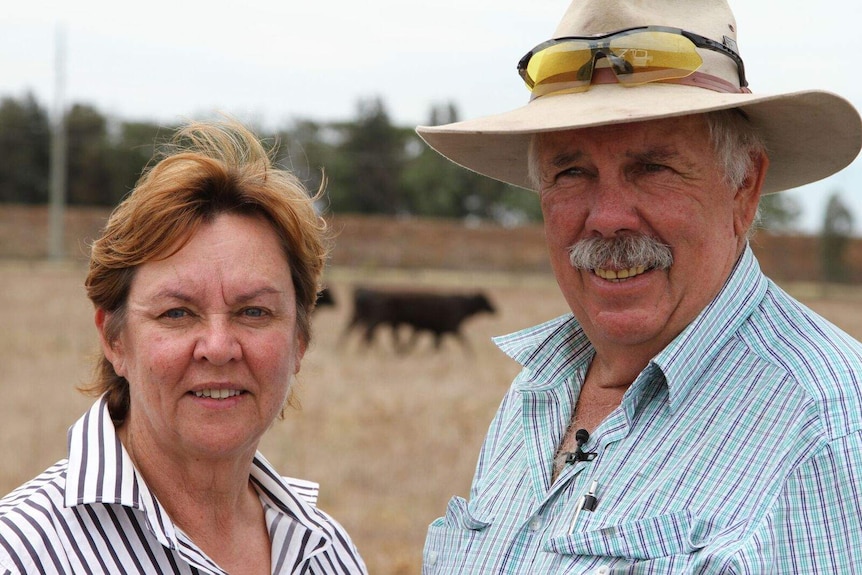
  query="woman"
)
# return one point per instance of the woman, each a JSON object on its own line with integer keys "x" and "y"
{"x": 203, "y": 284}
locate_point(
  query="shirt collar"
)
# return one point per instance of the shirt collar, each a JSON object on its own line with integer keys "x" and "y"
{"x": 293, "y": 497}
{"x": 551, "y": 351}
{"x": 101, "y": 471}
{"x": 694, "y": 350}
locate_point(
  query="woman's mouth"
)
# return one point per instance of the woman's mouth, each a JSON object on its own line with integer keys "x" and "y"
{"x": 217, "y": 393}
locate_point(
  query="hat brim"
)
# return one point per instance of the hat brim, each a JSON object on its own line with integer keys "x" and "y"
{"x": 809, "y": 135}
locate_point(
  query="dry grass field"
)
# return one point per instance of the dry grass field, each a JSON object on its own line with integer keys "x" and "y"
{"x": 390, "y": 437}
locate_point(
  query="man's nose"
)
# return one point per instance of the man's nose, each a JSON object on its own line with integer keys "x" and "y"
{"x": 612, "y": 209}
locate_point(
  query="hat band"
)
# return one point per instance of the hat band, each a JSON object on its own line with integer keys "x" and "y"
{"x": 696, "y": 79}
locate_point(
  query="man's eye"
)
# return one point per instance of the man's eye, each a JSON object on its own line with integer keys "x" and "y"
{"x": 570, "y": 172}
{"x": 653, "y": 168}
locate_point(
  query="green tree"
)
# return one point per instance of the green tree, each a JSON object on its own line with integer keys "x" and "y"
{"x": 308, "y": 149}
{"x": 779, "y": 212}
{"x": 431, "y": 184}
{"x": 89, "y": 177}
{"x": 834, "y": 239}
{"x": 25, "y": 141}
{"x": 127, "y": 154}
{"x": 435, "y": 186}
{"x": 365, "y": 174}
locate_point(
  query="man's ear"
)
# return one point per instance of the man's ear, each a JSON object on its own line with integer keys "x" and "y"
{"x": 113, "y": 350}
{"x": 747, "y": 196}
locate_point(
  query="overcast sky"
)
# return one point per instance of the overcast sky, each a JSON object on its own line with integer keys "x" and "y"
{"x": 271, "y": 61}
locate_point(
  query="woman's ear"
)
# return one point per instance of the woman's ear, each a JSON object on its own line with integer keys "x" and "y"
{"x": 113, "y": 350}
{"x": 301, "y": 346}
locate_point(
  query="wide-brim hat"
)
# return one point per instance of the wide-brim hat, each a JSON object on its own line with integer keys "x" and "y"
{"x": 809, "y": 134}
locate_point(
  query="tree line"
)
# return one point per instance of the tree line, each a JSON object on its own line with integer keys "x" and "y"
{"x": 369, "y": 165}
{"x": 366, "y": 165}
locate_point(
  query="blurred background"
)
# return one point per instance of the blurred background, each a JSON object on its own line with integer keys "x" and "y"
{"x": 88, "y": 89}
{"x": 343, "y": 84}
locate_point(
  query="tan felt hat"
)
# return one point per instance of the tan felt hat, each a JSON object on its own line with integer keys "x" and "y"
{"x": 809, "y": 134}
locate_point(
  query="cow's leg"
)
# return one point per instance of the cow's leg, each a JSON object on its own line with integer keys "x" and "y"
{"x": 368, "y": 335}
{"x": 410, "y": 344}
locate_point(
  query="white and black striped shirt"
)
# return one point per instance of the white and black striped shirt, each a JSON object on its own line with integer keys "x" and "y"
{"x": 93, "y": 513}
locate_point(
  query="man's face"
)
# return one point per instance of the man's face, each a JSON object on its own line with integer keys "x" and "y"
{"x": 658, "y": 179}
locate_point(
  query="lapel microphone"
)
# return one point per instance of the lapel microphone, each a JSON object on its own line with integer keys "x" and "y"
{"x": 581, "y": 437}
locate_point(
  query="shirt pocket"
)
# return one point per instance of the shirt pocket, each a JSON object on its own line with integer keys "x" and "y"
{"x": 450, "y": 539}
{"x": 673, "y": 534}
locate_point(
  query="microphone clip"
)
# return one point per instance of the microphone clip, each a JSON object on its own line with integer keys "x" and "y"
{"x": 581, "y": 437}
{"x": 580, "y": 455}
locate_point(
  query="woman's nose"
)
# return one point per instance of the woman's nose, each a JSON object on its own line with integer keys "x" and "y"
{"x": 217, "y": 342}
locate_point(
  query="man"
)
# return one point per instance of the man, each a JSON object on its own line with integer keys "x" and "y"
{"x": 688, "y": 416}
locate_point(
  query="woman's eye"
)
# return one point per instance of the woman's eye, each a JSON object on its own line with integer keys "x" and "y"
{"x": 254, "y": 312}
{"x": 175, "y": 313}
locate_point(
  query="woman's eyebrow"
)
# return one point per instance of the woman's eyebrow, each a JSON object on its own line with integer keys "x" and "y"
{"x": 172, "y": 293}
{"x": 253, "y": 294}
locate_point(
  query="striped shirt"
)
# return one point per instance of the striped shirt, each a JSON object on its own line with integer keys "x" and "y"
{"x": 737, "y": 450}
{"x": 93, "y": 513}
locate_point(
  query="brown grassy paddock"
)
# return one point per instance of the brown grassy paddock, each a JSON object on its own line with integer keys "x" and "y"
{"x": 390, "y": 437}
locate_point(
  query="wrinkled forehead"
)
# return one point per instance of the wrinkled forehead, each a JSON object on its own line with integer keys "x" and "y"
{"x": 682, "y": 131}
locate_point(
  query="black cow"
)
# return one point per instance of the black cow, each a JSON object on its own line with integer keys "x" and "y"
{"x": 325, "y": 298}
{"x": 437, "y": 313}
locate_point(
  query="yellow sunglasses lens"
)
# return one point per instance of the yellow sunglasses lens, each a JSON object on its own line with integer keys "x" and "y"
{"x": 654, "y": 56}
{"x": 635, "y": 57}
{"x": 567, "y": 63}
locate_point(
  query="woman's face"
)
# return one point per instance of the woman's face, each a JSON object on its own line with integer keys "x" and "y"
{"x": 210, "y": 344}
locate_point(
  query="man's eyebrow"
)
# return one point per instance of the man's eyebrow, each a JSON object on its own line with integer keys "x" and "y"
{"x": 655, "y": 155}
{"x": 564, "y": 159}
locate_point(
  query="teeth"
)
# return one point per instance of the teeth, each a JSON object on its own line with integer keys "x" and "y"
{"x": 616, "y": 275}
{"x": 217, "y": 393}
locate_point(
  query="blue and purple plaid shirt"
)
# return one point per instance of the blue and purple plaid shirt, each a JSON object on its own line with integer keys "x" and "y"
{"x": 737, "y": 450}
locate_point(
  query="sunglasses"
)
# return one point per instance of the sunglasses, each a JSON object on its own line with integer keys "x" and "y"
{"x": 635, "y": 55}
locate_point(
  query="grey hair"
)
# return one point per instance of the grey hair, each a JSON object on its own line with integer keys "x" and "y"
{"x": 736, "y": 143}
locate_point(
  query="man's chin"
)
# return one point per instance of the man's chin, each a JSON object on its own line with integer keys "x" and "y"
{"x": 627, "y": 327}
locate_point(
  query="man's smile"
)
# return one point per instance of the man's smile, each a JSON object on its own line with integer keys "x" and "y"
{"x": 618, "y": 275}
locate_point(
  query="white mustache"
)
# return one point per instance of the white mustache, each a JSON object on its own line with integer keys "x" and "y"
{"x": 622, "y": 252}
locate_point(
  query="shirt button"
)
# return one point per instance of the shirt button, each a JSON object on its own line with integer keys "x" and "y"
{"x": 535, "y": 523}
{"x": 432, "y": 558}
{"x": 603, "y": 570}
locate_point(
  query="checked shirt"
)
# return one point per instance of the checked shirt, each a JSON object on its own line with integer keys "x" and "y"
{"x": 737, "y": 450}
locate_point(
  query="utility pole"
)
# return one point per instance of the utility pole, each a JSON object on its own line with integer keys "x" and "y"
{"x": 57, "y": 196}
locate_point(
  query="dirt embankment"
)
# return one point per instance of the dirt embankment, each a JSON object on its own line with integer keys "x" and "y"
{"x": 376, "y": 242}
